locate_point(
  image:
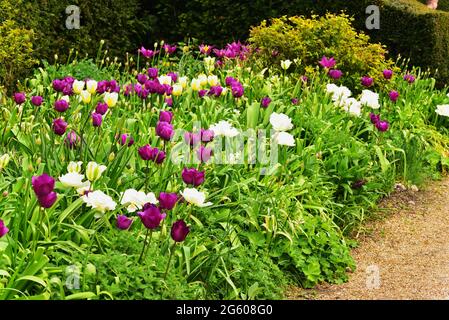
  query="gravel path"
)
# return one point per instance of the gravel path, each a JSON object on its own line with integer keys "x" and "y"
{"x": 403, "y": 256}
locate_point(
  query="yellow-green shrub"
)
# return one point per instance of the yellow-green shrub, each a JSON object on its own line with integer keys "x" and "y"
{"x": 308, "y": 39}
{"x": 16, "y": 52}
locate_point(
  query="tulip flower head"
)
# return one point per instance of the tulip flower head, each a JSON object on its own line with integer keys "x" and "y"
{"x": 59, "y": 126}
{"x": 126, "y": 139}
{"x": 111, "y": 99}
{"x": 19, "y": 97}
{"x": 91, "y": 86}
{"x": 179, "y": 231}
{"x": 3, "y": 229}
{"x": 335, "y": 74}
{"x": 43, "y": 187}
{"x": 367, "y": 81}
{"x": 394, "y": 95}
{"x": 4, "y": 160}
{"x": 265, "y": 102}
{"x": 94, "y": 171}
{"x": 37, "y": 101}
{"x": 97, "y": 119}
{"x": 192, "y": 176}
{"x": 165, "y": 130}
{"x": 195, "y": 197}
{"x": 167, "y": 201}
{"x": 285, "y": 64}
{"x": 123, "y": 222}
{"x": 328, "y": 63}
{"x": 78, "y": 86}
{"x": 151, "y": 217}
{"x": 61, "y": 105}
{"x": 388, "y": 74}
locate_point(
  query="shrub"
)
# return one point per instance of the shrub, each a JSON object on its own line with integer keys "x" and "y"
{"x": 307, "y": 40}
{"x": 16, "y": 51}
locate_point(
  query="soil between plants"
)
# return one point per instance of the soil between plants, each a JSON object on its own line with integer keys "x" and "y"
{"x": 403, "y": 255}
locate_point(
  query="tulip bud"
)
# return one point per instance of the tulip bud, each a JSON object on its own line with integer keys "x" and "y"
{"x": 38, "y": 141}
{"x": 38, "y": 161}
{"x": 111, "y": 157}
{"x": 74, "y": 167}
{"x": 30, "y": 168}
{"x": 5, "y": 194}
{"x": 4, "y": 160}
{"x": 94, "y": 171}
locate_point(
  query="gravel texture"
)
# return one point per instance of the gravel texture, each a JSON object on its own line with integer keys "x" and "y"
{"x": 404, "y": 255}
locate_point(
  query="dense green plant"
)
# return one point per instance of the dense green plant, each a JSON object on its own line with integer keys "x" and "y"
{"x": 306, "y": 41}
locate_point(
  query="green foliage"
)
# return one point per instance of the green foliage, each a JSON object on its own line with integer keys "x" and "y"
{"x": 16, "y": 52}
{"x": 307, "y": 40}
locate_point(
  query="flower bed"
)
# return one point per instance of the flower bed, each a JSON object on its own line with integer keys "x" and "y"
{"x": 197, "y": 175}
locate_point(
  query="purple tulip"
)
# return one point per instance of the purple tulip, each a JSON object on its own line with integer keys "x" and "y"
{"x": 388, "y": 74}
{"x": 204, "y": 154}
{"x": 215, "y": 91}
{"x": 3, "y": 229}
{"x": 123, "y": 222}
{"x": 166, "y": 116}
{"x": 153, "y": 73}
{"x": 165, "y": 130}
{"x": 375, "y": 118}
{"x": 151, "y": 217}
{"x": 158, "y": 156}
{"x": 169, "y": 49}
{"x": 382, "y": 126}
{"x": 142, "y": 78}
{"x": 192, "y": 138}
{"x": 61, "y": 105}
{"x": 328, "y": 63}
{"x": 48, "y": 200}
{"x": 148, "y": 53}
{"x": 126, "y": 138}
{"x": 69, "y": 80}
{"x": 202, "y": 93}
{"x": 192, "y": 176}
{"x": 173, "y": 76}
{"x": 394, "y": 95}
{"x": 37, "y": 100}
{"x": 58, "y": 85}
{"x": 42, "y": 185}
{"x": 96, "y": 119}
{"x": 129, "y": 89}
{"x": 205, "y": 49}
{"x": 59, "y": 126}
{"x": 101, "y": 108}
{"x": 207, "y": 135}
{"x": 145, "y": 152}
{"x": 265, "y": 102}
{"x": 19, "y": 97}
{"x": 304, "y": 79}
{"x": 294, "y": 101}
{"x": 169, "y": 101}
{"x": 230, "y": 80}
{"x": 367, "y": 81}
{"x": 154, "y": 154}
{"x": 72, "y": 139}
{"x": 335, "y": 74}
{"x": 179, "y": 231}
{"x": 237, "y": 89}
{"x": 167, "y": 201}
{"x": 409, "y": 78}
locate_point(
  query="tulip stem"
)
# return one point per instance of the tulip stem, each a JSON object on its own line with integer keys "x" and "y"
{"x": 148, "y": 244}
{"x": 144, "y": 245}
{"x": 169, "y": 260}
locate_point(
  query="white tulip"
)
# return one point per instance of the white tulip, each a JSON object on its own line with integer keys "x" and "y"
{"x": 285, "y": 64}
{"x": 212, "y": 80}
{"x": 224, "y": 128}
{"x": 74, "y": 166}
{"x": 183, "y": 81}
{"x": 369, "y": 98}
{"x": 280, "y": 122}
{"x": 352, "y": 106}
{"x": 203, "y": 79}
{"x": 111, "y": 98}
{"x": 99, "y": 201}
{"x": 72, "y": 180}
{"x": 91, "y": 86}
{"x": 78, "y": 86}
{"x": 193, "y": 196}
{"x": 137, "y": 199}
{"x": 94, "y": 171}
{"x": 443, "y": 110}
{"x": 165, "y": 80}
{"x": 284, "y": 139}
